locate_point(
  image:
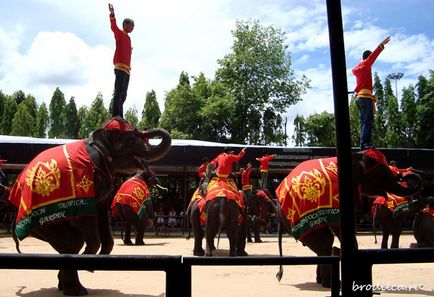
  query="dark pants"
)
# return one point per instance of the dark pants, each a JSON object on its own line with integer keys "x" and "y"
{"x": 121, "y": 87}
{"x": 264, "y": 179}
{"x": 366, "y": 115}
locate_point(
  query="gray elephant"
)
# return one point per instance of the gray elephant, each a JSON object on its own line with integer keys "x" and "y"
{"x": 63, "y": 194}
{"x": 391, "y": 213}
{"x": 423, "y": 226}
{"x": 260, "y": 210}
{"x": 133, "y": 205}
{"x": 209, "y": 218}
{"x": 309, "y": 200}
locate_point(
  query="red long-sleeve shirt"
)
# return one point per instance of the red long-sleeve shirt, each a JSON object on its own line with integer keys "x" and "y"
{"x": 245, "y": 179}
{"x": 363, "y": 73}
{"x": 264, "y": 162}
{"x": 202, "y": 170}
{"x": 224, "y": 163}
{"x": 122, "y": 56}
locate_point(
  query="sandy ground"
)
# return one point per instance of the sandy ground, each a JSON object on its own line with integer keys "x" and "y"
{"x": 239, "y": 281}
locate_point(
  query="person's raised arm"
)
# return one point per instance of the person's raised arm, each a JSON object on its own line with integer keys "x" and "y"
{"x": 111, "y": 9}
{"x": 385, "y": 41}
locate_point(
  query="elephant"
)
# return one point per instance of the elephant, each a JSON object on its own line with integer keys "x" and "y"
{"x": 423, "y": 226}
{"x": 260, "y": 209}
{"x": 79, "y": 176}
{"x": 308, "y": 200}
{"x": 391, "y": 213}
{"x": 133, "y": 205}
{"x": 211, "y": 218}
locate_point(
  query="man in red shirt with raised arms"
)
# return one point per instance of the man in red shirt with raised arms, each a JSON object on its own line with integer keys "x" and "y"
{"x": 121, "y": 61}
{"x": 263, "y": 168}
{"x": 365, "y": 99}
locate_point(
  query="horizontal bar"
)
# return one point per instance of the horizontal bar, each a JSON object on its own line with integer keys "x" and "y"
{"x": 262, "y": 260}
{"x": 89, "y": 262}
{"x": 397, "y": 256}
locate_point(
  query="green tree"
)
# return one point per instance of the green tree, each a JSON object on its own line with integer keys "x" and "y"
{"x": 2, "y": 105}
{"x": 82, "y": 114}
{"x": 23, "y": 122}
{"x": 42, "y": 119}
{"x": 57, "y": 115}
{"x": 380, "y": 126}
{"x": 258, "y": 74}
{"x": 408, "y": 119}
{"x": 71, "y": 120}
{"x": 299, "y": 136}
{"x": 151, "y": 112}
{"x": 131, "y": 115}
{"x": 392, "y": 117}
{"x": 32, "y": 106}
{"x": 216, "y": 113}
{"x": 19, "y": 96}
{"x": 95, "y": 117}
{"x": 424, "y": 136}
{"x": 8, "y": 114}
{"x": 181, "y": 109}
{"x": 354, "y": 123}
{"x": 320, "y": 129}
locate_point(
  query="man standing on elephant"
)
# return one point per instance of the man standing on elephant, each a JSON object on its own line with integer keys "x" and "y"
{"x": 263, "y": 168}
{"x": 365, "y": 99}
{"x": 245, "y": 183}
{"x": 121, "y": 61}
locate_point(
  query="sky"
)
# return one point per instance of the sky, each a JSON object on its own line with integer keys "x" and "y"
{"x": 45, "y": 44}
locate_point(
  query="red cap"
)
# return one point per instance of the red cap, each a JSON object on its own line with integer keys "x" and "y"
{"x": 118, "y": 124}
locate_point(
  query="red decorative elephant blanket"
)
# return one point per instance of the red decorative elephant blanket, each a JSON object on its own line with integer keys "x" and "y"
{"x": 201, "y": 204}
{"x": 224, "y": 187}
{"x": 309, "y": 196}
{"x": 396, "y": 204}
{"x": 133, "y": 192}
{"x": 56, "y": 185}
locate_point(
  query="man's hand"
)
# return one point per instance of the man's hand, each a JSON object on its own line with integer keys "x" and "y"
{"x": 111, "y": 9}
{"x": 386, "y": 41}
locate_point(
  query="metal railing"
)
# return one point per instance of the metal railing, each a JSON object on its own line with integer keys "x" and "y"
{"x": 178, "y": 269}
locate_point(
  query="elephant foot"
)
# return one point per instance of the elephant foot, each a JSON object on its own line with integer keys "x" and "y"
{"x": 198, "y": 252}
{"x": 80, "y": 291}
{"x": 140, "y": 242}
{"x": 242, "y": 253}
{"x": 258, "y": 240}
{"x": 249, "y": 240}
{"x": 128, "y": 242}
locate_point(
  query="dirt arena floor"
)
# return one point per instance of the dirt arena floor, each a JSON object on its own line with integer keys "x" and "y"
{"x": 251, "y": 281}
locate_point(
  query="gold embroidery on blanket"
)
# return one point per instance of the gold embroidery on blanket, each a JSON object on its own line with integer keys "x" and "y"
{"x": 43, "y": 178}
{"x": 139, "y": 193}
{"x": 85, "y": 184}
{"x": 312, "y": 187}
{"x": 333, "y": 168}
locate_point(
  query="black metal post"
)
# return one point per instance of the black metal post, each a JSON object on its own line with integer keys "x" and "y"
{"x": 343, "y": 145}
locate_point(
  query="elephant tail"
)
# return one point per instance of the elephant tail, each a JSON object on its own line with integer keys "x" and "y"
{"x": 15, "y": 238}
{"x": 222, "y": 218}
{"x": 186, "y": 220}
{"x": 280, "y": 228}
{"x": 374, "y": 221}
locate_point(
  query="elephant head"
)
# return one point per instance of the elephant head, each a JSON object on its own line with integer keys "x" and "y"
{"x": 125, "y": 149}
{"x": 374, "y": 177}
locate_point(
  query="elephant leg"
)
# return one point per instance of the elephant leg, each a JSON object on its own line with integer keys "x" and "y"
{"x": 127, "y": 233}
{"x": 212, "y": 225}
{"x": 70, "y": 284}
{"x": 241, "y": 242}
{"x": 396, "y": 233}
{"x": 320, "y": 241}
{"x": 385, "y": 239}
{"x": 197, "y": 231}
{"x": 65, "y": 239}
{"x": 211, "y": 230}
{"x": 257, "y": 235}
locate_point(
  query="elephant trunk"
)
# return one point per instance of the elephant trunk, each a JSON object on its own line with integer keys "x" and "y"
{"x": 157, "y": 152}
{"x": 414, "y": 185}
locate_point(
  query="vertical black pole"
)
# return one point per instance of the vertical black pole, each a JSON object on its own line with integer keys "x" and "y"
{"x": 343, "y": 144}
